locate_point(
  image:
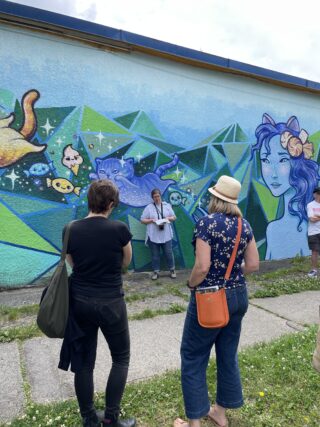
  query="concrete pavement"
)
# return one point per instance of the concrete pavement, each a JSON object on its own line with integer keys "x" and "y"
{"x": 155, "y": 349}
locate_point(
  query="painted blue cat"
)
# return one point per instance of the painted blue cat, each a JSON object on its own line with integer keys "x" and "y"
{"x": 134, "y": 190}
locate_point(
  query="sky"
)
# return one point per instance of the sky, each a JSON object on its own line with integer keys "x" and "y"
{"x": 282, "y": 35}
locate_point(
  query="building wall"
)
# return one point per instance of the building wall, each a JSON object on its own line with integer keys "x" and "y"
{"x": 70, "y": 113}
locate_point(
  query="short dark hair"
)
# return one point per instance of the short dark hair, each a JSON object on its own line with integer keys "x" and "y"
{"x": 155, "y": 191}
{"x": 100, "y": 194}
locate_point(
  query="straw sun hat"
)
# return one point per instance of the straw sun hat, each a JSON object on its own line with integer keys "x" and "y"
{"x": 226, "y": 188}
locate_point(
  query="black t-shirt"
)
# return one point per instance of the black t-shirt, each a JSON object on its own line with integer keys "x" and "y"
{"x": 96, "y": 247}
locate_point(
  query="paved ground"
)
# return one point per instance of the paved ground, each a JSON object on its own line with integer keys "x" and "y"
{"x": 155, "y": 343}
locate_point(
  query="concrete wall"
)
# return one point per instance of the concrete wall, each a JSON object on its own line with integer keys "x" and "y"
{"x": 129, "y": 114}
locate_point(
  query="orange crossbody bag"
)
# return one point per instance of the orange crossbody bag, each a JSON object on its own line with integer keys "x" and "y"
{"x": 212, "y": 306}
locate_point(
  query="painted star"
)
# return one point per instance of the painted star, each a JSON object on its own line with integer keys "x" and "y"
{"x": 110, "y": 147}
{"x": 47, "y": 127}
{"x": 59, "y": 141}
{"x": 122, "y": 161}
{"x": 183, "y": 178}
{"x": 177, "y": 171}
{"x": 100, "y": 137}
{"x": 139, "y": 157}
{"x": 13, "y": 176}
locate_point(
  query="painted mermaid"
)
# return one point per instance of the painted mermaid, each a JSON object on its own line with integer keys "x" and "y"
{"x": 134, "y": 190}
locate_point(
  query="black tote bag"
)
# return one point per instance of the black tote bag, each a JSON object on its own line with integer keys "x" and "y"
{"x": 54, "y": 306}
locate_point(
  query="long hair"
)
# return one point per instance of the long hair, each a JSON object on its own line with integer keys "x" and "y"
{"x": 304, "y": 173}
{"x": 217, "y": 205}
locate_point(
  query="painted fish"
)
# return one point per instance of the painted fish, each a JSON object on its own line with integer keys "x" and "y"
{"x": 62, "y": 185}
{"x": 176, "y": 199}
{"x": 39, "y": 169}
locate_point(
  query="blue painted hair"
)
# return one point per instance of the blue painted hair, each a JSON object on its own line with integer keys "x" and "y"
{"x": 304, "y": 173}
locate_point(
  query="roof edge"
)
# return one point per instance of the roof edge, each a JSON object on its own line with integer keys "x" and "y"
{"x": 38, "y": 19}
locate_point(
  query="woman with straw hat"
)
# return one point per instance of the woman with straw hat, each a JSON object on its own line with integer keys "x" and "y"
{"x": 214, "y": 239}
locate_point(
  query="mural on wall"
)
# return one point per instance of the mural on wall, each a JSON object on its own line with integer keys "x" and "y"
{"x": 288, "y": 171}
{"x": 50, "y": 155}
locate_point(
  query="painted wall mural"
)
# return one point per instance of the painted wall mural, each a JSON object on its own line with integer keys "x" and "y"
{"x": 49, "y": 156}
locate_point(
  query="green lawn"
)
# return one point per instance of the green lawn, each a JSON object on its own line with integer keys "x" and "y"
{"x": 280, "y": 386}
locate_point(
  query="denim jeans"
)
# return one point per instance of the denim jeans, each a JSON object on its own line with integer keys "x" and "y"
{"x": 155, "y": 254}
{"x": 110, "y": 315}
{"x": 196, "y": 346}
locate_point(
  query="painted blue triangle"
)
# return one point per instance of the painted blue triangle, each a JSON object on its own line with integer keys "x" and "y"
{"x": 35, "y": 264}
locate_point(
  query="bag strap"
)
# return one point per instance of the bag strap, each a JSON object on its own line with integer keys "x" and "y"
{"x": 234, "y": 251}
{"x": 65, "y": 241}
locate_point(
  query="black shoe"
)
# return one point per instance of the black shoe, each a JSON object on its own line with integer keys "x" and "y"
{"x": 91, "y": 421}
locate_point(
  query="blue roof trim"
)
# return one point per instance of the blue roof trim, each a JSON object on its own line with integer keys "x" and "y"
{"x": 14, "y": 10}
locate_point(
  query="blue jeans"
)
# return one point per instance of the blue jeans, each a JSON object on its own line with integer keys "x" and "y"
{"x": 155, "y": 254}
{"x": 196, "y": 345}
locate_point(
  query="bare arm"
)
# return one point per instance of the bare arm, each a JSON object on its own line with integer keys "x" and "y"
{"x": 314, "y": 218}
{"x": 148, "y": 220}
{"x": 69, "y": 260}
{"x": 202, "y": 263}
{"x": 127, "y": 255}
{"x": 251, "y": 258}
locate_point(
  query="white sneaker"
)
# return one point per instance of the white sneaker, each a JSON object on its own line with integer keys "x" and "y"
{"x": 313, "y": 273}
{"x": 173, "y": 274}
{"x": 155, "y": 276}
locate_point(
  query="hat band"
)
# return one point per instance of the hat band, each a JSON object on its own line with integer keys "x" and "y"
{"x": 224, "y": 195}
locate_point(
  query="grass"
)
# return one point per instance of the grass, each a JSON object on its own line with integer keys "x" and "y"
{"x": 14, "y": 313}
{"x": 148, "y": 314}
{"x": 19, "y": 333}
{"x": 280, "y": 386}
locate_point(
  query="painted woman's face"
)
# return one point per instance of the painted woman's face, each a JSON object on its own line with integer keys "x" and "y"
{"x": 275, "y": 167}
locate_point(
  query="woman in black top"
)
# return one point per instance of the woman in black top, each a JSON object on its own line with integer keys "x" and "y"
{"x": 98, "y": 249}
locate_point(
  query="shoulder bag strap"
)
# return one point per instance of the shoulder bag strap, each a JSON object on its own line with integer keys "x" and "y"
{"x": 234, "y": 251}
{"x": 65, "y": 242}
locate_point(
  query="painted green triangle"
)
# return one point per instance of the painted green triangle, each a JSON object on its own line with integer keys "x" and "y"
{"x": 240, "y": 136}
{"x": 221, "y": 134}
{"x": 245, "y": 181}
{"x": 109, "y": 145}
{"x": 162, "y": 158}
{"x": 58, "y": 217}
{"x": 7, "y": 101}
{"x": 92, "y": 121}
{"x": 137, "y": 229}
{"x": 24, "y": 205}
{"x": 15, "y": 231}
{"x": 141, "y": 256}
{"x": 65, "y": 135}
{"x": 234, "y": 153}
{"x": 54, "y": 115}
{"x": 35, "y": 264}
{"x": 268, "y": 202}
{"x": 255, "y": 214}
{"x": 145, "y": 126}
{"x": 315, "y": 139}
{"x": 184, "y": 229}
{"x": 195, "y": 158}
{"x": 211, "y": 164}
{"x": 230, "y": 135}
{"x": 219, "y": 158}
{"x": 147, "y": 164}
{"x": 140, "y": 148}
{"x": 165, "y": 146}
{"x": 127, "y": 120}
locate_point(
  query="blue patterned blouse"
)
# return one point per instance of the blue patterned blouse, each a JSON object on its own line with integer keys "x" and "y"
{"x": 219, "y": 231}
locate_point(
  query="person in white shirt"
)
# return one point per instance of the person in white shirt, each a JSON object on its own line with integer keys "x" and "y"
{"x": 313, "y": 209}
{"x": 158, "y": 216}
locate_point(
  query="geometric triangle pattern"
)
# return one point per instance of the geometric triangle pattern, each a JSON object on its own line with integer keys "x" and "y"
{"x": 31, "y": 265}
{"x": 144, "y": 126}
{"x": 16, "y": 232}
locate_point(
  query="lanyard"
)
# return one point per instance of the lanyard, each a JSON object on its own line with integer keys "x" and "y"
{"x": 158, "y": 212}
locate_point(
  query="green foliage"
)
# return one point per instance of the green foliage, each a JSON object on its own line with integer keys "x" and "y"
{"x": 14, "y": 313}
{"x": 148, "y": 314}
{"x": 19, "y": 333}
